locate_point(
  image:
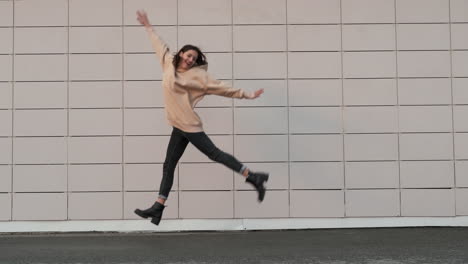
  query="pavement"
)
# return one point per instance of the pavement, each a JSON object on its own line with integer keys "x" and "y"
{"x": 374, "y": 246}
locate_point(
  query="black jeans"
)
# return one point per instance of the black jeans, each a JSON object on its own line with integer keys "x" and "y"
{"x": 177, "y": 144}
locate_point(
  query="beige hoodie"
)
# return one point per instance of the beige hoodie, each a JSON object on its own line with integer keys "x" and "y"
{"x": 182, "y": 91}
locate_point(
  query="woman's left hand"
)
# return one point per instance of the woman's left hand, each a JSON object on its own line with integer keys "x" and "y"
{"x": 255, "y": 94}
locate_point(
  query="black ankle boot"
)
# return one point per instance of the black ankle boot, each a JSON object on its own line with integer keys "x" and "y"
{"x": 257, "y": 179}
{"x": 154, "y": 211}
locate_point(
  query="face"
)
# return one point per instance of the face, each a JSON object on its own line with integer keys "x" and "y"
{"x": 188, "y": 59}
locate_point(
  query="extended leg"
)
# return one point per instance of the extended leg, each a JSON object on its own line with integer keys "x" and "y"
{"x": 203, "y": 143}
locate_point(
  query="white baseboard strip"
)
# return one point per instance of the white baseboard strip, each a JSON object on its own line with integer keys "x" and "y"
{"x": 187, "y": 225}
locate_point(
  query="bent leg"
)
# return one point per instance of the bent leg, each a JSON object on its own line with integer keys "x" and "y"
{"x": 202, "y": 142}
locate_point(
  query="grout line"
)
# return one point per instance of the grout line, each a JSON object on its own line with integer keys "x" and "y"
{"x": 12, "y": 114}
{"x": 453, "y": 116}
{"x": 342, "y": 110}
{"x": 178, "y": 165}
{"x": 398, "y": 107}
{"x": 288, "y": 108}
{"x": 233, "y": 107}
{"x": 68, "y": 111}
{"x": 221, "y": 25}
{"x": 122, "y": 174}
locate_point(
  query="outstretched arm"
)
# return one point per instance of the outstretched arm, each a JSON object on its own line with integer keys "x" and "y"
{"x": 159, "y": 46}
{"x": 218, "y": 87}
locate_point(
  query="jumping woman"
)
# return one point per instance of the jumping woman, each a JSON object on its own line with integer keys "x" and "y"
{"x": 185, "y": 82}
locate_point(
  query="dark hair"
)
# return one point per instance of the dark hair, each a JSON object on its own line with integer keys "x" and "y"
{"x": 201, "y": 59}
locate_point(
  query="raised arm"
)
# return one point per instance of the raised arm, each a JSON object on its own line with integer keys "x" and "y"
{"x": 159, "y": 46}
{"x": 218, "y": 87}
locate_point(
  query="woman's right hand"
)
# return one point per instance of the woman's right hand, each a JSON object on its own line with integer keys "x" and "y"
{"x": 143, "y": 18}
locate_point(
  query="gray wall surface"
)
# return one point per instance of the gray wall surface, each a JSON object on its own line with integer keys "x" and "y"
{"x": 365, "y": 111}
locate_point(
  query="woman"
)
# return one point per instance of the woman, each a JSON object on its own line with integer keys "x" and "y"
{"x": 185, "y": 82}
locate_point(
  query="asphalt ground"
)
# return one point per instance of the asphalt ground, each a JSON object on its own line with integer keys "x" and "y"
{"x": 373, "y": 246}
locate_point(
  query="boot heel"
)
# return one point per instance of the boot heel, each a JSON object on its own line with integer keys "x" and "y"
{"x": 156, "y": 220}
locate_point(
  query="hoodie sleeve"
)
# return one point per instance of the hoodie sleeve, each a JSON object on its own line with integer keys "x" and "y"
{"x": 217, "y": 87}
{"x": 160, "y": 47}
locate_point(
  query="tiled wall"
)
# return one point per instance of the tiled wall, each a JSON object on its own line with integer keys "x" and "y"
{"x": 365, "y": 111}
